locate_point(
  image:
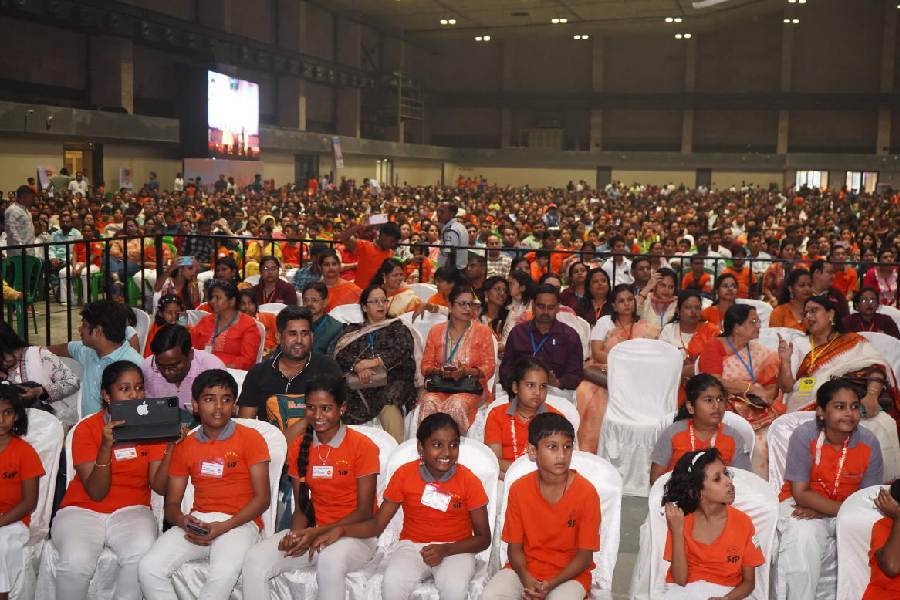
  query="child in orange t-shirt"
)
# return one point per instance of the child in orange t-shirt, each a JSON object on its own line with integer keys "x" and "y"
{"x": 884, "y": 553}
{"x": 22, "y": 470}
{"x": 445, "y": 522}
{"x": 228, "y": 464}
{"x": 506, "y": 428}
{"x": 711, "y": 545}
{"x": 552, "y": 521}
{"x": 338, "y": 467}
{"x": 697, "y": 278}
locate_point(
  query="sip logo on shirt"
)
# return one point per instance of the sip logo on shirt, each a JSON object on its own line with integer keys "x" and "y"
{"x": 10, "y": 474}
{"x": 733, "y": 555}
{"x": 572, "y": 521}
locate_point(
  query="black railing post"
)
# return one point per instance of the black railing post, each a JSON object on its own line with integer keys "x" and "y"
{"x": 46, "y": 293}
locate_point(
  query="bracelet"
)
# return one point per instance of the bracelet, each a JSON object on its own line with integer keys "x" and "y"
{"x": 96, "y": 464}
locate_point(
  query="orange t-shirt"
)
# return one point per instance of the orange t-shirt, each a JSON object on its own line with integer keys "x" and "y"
{"x": 712, "y": 314}
{"x": 561, "y": 529}
{"x": 744, "y": 280}
{"x": 881, "y": 587}
{"x": 783, "y": 316}
{"x": 220, "y": 468}
{"x": 130, "y": 467}
{"x": 290, "y": 254}
{"x": 345, "y": 292}
{"x": 681, "y": 445}
{"x": 537, "y": 272}
{"x": 369, "y": 259}
{"x": 423, "y": 523}
{"x": 720, "y": 562}
{"x": 268, "y": 319}
{"x": 18, "y": 462}
{"x": 508, "y": 430}
{"x": 331, "y": 473}
{"x": 438, "y": 299}
{"x": 846, "y": 281}
{"x": 703, "y": 283}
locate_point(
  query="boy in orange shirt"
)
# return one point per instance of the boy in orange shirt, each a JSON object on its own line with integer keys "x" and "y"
{"x": 697, "y": 278}
{"x": 884, "y": 555}
{"x": 552, "y": 522}
{"x": 228, "y": 464}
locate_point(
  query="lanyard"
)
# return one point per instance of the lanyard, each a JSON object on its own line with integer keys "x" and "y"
{"x": 372, "y": 337}
{"x": 217, "y": 332}
{"x": 448, "y": 358}
{"x": 323, "y": 459}
{"x": 536, "y": 347}
{"x": 515, "y": 440}
{"x": 748, "y": 367}
{"x": 837, "y": 476}
{"x": 712, "y": 440}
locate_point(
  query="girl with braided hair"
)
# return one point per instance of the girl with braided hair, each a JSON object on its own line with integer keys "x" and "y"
{"x": 333, "y": 470}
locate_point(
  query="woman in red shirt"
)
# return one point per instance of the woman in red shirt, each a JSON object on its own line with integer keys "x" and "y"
{"x": 228, "y": 333}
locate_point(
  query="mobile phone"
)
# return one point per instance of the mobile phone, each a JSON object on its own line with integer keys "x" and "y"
{"x": 196, "y": 529}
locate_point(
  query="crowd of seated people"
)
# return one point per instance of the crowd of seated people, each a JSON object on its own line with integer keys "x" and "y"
{"x": 585, "y": 272}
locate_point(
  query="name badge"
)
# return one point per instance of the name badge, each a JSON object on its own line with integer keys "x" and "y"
{"x": 435, "y": 499}
{"x": 125, "y": 453}
{"x": 807, "y": 384}
{"x": 322, "y": 471}
{"x": 212, "y": 468}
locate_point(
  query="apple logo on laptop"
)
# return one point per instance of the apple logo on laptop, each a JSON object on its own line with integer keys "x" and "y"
{"x": 142, "y": 409}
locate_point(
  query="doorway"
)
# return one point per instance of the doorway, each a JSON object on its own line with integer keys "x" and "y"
{"x": 87, "y": 158}
{"x": 306, "y": 167}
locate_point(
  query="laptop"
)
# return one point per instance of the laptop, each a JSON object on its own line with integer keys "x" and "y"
{"x": 147, "y": 419}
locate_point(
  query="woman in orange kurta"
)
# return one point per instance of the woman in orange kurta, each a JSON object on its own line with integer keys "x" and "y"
{"x": 689, "y": 333}
{"x": 726, "y": 292}
{"x": 460, "y": 347}
{"x": 340, "y": 291}
{"x": 228, "y": 333}
{"x": 796, "y": 291}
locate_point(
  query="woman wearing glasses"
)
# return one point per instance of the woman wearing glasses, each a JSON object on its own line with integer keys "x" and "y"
{"x": 271, "y": 288}
{"x": 457, "y": 362}
{"x": 380, "y": 356}
{"x": 868, "y": 319}
{"x": 834, "y": 353}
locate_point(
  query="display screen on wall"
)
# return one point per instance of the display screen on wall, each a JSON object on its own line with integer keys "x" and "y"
{"x": 232, "y": 117}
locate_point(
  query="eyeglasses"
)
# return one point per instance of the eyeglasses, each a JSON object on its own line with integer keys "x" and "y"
{"x": 868, "y": 301}
{"x": 379, "y": 302}
{"x": 165, "y": 368}
{"x": 468, "y": 304}
{"x": 269, "y": 268}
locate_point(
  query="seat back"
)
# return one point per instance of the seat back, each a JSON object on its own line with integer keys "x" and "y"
{"x": 272, "y": 307}
{"x": 888, "y": 347}
{"x": 763, "y": 309}
{"x": 347, "y": 313}
{"x": 381, "y": 438}
{"x": 252, "y": 279}
{"x": 890, "y": 311}
{"x": 262, "y": 340}
{"x": 855, "y": 519}
{"x": 743, "y": 428}
{"x": 25, "y": 273}
{"x": 423, "y": 291}
{"x": 422, "y": 325}
{"x": 606, "y": 480}
{"x": 778, "y": 437}
{"x": 474, "y": 455}
{"x": 194, "y": 316}
{"x": 142, "y": 327}
{"x": 581, "y": 327}
{"x": 46, "y": 436}
{"x": 632, "y": 395}
{"x": 239, "y": 376}
{"x": 752, "y": 495}
{"x": 277, "y": 445}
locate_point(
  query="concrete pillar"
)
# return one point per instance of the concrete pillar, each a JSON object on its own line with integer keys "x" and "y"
{"x": 506, "y": 84}
{"x": 112, "y": 72}
{"x": 787, "y": 69}
{"x": 347, "y": 100}
{"x": 598, "y": 60}
{"x": 889, "y": 37}
{"x": 291, "y": 109}
{"x": 690, "y": 84}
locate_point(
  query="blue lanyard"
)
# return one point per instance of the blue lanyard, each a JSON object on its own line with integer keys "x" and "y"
{"x": 536, "y": 347}
{"x": 372, "y": 341}
{"x": 748, "y": 367}
{"x": 448, "y": 358}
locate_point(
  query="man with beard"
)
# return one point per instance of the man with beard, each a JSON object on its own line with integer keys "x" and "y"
{"x": 274, "y": 389}
{"x": 552, "y": 342}
{"x": 65, "y": 233}
{"x": 174, "y": 364}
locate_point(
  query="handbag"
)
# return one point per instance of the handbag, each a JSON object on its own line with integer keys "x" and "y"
{"x": 463, "y": 385}
{"x": 379, "y": 379}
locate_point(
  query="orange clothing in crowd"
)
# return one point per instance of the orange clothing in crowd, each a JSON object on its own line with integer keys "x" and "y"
{"x": 744, "y": 279}
{"x": 237, "y": 346}
{"x": 369, "y": 260}
{"x": 290, "y": 254}
{"x": 343, "y": 293}
{"x": 18, "y": 462}
{"x": 881, "y": 587}
{"x": 438, "y": 299}
{"x": 268, "y": 320}
{"x": 783, "y": 316}
{"x": 509, "y": 431}
{"x": 846, "y": 281}
{"x": 703, "y": 283}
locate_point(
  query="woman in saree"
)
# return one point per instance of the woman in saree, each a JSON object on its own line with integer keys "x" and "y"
{"x": 340, "y": 291}
{"x": 726, "y": 289}
{"x": 688, "y": 332}
{"x": 656, "y": 302}
{"x": 457, "y": 348}
{"x": 401, "y": 298}
{"x": 750, "y": 373}
{"x": 773, "y": 279}
{"x": 832, "y": 353}
{"x": 793, "y": 296}
{"x": 370, "y": 349}
{"x": 595, "y": 302}
{"x": 591, "y": 396}
{"x": 577, "y": 287}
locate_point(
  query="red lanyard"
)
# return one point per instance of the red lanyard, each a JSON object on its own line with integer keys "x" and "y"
{"x": 712, "y": 440}
{"x": 837, "y": 476}
{"x": 515, "y": 440}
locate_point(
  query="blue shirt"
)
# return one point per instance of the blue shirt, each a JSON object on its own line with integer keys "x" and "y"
{"x": 93, "y": 371}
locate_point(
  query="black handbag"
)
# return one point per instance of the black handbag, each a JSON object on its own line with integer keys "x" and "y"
{"x": 463, "y": 385}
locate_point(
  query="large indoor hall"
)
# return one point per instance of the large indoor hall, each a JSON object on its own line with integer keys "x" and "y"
{"x": 450, "y": 299}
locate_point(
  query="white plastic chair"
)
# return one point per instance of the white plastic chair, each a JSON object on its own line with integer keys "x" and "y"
{"x": 423, "y": 291}
{"x": 239, "y": 376}
{"x": 194, "y": 316}
{"x": 561, "y": 405}
{"x": 763, "y": 309}
{"x": 272, "y": 307}
{"x": 778, "y": 437}
{"x": 581, "y": 327}
{"x": 638, "y": 405}
{"x": 262, "y": 340}
{"x": 252, "y": 279}
{"x": 888, "y": 347}
{"x": 301, "y": 583}
{"x": 743, "y": 428}
{"x": 142, "y": 327}
{"x": 347, "y": 313}
{"x": 74, "y": 400}
{"x": 422, "y": 325}
{"x": 188, "y": 580}
{"x": 854, "y": 536}
{"x": 890, "y": 311}
{"x": 45, "y": 434}
{"x": 606, "y": 480}
{"x": 752, "y": 495}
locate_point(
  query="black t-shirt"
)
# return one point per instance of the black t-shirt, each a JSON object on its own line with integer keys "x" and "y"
{"x": 265, "y": 379}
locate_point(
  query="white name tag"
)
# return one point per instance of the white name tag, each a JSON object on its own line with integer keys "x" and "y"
{"x": 435, "y": 499}
{"x": 212, "y": 469}
{"x": 125, "y": 453}
{"x": 322, "y": 472}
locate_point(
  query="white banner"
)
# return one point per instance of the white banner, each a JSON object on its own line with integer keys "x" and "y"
{"x": 338, "y": 154}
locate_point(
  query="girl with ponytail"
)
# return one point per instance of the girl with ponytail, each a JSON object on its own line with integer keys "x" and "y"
{"x": 333, "y": 470}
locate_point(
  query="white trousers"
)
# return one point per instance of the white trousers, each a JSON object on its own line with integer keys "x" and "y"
{"x": 807, "y": 556}
{"x": 80, "y": 535}
{"x": 65, "y": 286}
{"x": 695, "y": 590}
{"x": 406, "y": 569}
{"x": 171, "y": 550}
{"x": 265, "y": 561}
{"x": 13, "y": 538}
{"x": 506, "y": 585}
